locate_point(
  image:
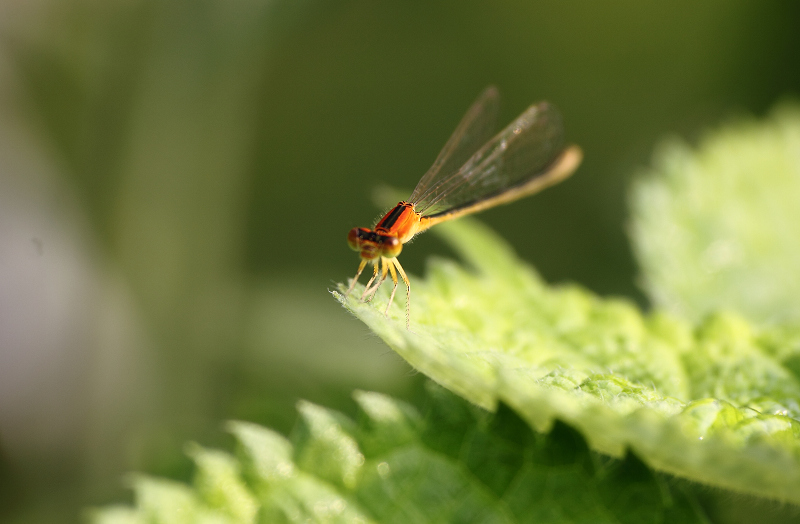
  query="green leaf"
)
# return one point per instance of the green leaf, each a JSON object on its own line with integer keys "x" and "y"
{"x": 447, "y": 461}
{"x": 219, "y": 484}
{"x": 717, "y": 227}
{"x": 708, "y": 402}
{"x": 326, "y": 445}
{"x": 116, "y": 515}
{"x": 165, "y": 502}
{"x": 266, "y": 455}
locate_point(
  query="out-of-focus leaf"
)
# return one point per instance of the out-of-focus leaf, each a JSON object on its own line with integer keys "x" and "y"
{"x": 719, "y": 227}
{"x": 447, "y": 462}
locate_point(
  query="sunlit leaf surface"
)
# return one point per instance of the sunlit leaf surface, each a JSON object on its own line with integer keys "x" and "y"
{"x": 715, "y": 402}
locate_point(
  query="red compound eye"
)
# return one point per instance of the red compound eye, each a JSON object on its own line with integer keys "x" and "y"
{"x": 352, "y": 239}
{"x": 391, "y": 246}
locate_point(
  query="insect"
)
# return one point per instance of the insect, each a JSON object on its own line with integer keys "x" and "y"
{"x": 472, "y": 173}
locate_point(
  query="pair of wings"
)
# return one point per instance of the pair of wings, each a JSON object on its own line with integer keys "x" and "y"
{"x": 473, "y": 166}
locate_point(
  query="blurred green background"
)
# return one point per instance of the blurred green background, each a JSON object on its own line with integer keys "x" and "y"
{"x": 177, "y": 179}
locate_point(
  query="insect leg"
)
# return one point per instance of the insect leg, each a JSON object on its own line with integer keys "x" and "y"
{"x": 408, "y": 291}
{"x": 394, "y": 279}
{"x": 374, "y": 274}
{"x": 355, "y": 279}
{"x": 370, "y": 293}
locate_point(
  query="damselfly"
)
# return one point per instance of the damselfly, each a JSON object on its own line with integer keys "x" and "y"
{"x": 472, "y": 173}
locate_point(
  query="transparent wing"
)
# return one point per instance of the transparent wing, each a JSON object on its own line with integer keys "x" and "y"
{"x": 522, "y": 151}
{"x": 472, "y": 132}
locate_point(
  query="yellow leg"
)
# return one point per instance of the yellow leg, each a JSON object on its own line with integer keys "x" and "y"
{"x": 370, "y": 293}
{"x": 355, "y": 279}
{"x": 374, "y": 274}
{"x": 408, "y": 291}
{"x": 394, "y": 279}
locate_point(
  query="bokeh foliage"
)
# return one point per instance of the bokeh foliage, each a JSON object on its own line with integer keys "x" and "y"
{"x": 447, "y": 462}
{"x": 716, "y": 230}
